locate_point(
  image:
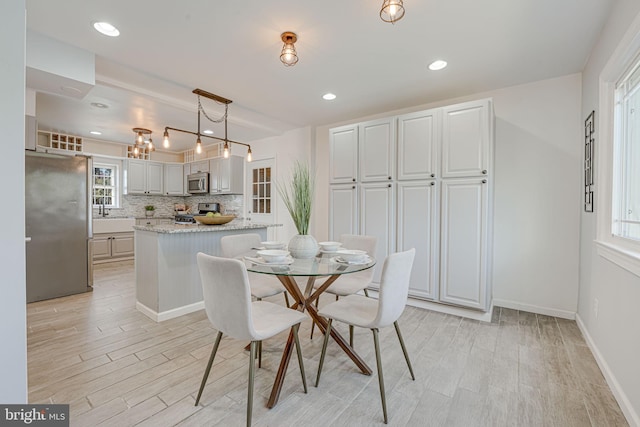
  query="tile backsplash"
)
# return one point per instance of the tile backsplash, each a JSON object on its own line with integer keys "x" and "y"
{"x": 133, "y": 205}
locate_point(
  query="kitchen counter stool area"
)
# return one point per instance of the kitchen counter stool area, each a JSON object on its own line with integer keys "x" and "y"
{"x": 167, "y": 278}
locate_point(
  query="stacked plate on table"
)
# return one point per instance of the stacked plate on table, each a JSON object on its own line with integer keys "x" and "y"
{"x": 329, "y": 247}
{"x": 273, "y": 245}
{"x": 352, "y": 256}
{"x": 272, "y": 257}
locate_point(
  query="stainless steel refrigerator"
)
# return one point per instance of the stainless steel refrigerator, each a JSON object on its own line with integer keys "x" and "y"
{"x": 58, "y": 225}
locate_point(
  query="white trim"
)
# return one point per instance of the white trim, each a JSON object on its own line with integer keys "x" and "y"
{"x": 564, "y": 314}
{"x": 169, "y": 314}
{"x": 629, "y": 260}
{"x": 627, "y": 408}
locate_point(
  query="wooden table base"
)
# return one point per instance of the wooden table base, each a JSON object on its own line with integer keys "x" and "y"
{"x": 306, "y": 302}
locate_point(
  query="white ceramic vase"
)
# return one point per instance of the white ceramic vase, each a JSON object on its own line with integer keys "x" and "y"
{"x": 303, "y": 246}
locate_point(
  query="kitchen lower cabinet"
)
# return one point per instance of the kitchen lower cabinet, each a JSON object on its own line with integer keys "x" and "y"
{"x": 418, "y": 228}
{"x": 109, "y": 247}
{"x": 377, "y": 209}
{"x": 343, "y": 209}
{"x": 464, "y": 242}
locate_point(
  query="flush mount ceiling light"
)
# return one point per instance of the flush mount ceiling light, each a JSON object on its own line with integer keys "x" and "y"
{"x": 207, "y": 132}
{"x": 392, "y": 11}
{"x": 106, "y": 29}
{"x": 437, "y": 65}
{"x": 289, "y": 56}
{"x": 143, "y": 136}
{"x": 99, "y": 105}
{"x": 95, "y": 132}
{"x": 223, "y": 118}
{"x": 328, "y": 97}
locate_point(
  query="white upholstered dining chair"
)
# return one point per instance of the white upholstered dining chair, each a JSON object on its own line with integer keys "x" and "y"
{"x": 374, "y": 314}
{"x": 262, "y": 285}
{"x": 349, "y": 284}
{"x": 227, "y": 301}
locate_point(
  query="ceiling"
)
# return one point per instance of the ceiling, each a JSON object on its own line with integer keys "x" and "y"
{"x": 167, "y": 48}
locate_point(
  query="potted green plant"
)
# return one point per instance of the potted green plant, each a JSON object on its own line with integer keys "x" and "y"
{"x": 297, "y": 196}
{"x": 149, "y": 210}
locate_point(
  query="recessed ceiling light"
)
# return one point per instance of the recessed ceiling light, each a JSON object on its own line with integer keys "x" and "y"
{"x": 95, "y": 132}
{"x": 70, "y": 89}
{"x": 437, "y": 65}
{"x": 328, "y": 96}
{"x": 106, "y": 29}
{"x": 208, "y": 131}
{"x": 99, "y": 105}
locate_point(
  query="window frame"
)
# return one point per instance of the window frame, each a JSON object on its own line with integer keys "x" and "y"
{"x": 115, "y": 187}
{"x": 622, "y": 251}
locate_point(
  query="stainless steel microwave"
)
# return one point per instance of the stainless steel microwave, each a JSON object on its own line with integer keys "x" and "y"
{"x": 198, "y": 183}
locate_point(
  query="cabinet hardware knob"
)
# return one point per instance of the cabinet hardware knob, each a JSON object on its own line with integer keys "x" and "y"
{"x": 484, "y": 172}
{"x": 389, "y": 185}
{"x": 433, "y": 175}
{"x": 389, "y": 177}
{"x": 433, "y": 183}
{"x": 484, "y": 181}
{"x": 354, "y": 180}
{"x": 354, "y": 187}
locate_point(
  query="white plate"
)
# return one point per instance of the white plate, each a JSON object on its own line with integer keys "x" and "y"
{"x": 328, "y": 252}
{"x": 339, "y": 260}
{"x": 260, "y": 261}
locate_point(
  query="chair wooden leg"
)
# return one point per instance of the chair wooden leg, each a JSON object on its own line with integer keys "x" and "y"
{"x": 252, "y": 374}
{"x": 351, "y": 335}
{"x": 286, "y": 299}
{"x": 299, "y": 351}
{"x": 327, "y": 334}
{"x": 259, "y": 354}
{"x": 376, "y": 343}
{"x": 404, "y": 349}
{"x": 206, "y": 372}
{"x": 313, "y": 324}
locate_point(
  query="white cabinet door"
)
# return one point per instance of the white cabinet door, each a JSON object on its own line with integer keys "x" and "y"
{"x": 343, "y": 210}
{"x": 343, "y": 149}
{"x": 231, "y": 175}
{"x": 136, "y": 177}
{"x": 122, "y": 245}
{"x": 173, "y": 179}
{"x": 154, "y": 178}
{"x": 466, "y": 132}
{"x": 186, "y": 171}
{"x": 199, "y": 166}
{"x": 377, "y": 150}
{"x": 376, "y": 219}
{"x": 101, "y": 246}
{"x": 418, "y": 141}
{"x": 214, "y": 178}
{"x": 417, "y": 228}
{"x": 463, "y": 231}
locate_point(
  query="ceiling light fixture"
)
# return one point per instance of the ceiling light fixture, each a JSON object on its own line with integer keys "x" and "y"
{"x": 106, "y": 29}
{"x": 437, "y": 65}
{"x": 95, "y": 132}
{"x": 207, "y": 132}
{"x": 289, "y": 56}
{"x": 143, "y": 136}
{"x": 99, "y": 105}
{"x": 198, "y": 134}
{"x": 392, "y": 11}
{"x": 328, "y": 97}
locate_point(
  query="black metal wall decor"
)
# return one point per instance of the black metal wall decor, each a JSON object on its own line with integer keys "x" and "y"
{"x": 589, "y": 131}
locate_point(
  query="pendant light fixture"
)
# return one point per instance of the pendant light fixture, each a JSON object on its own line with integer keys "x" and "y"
{"x": 289, "y": 56}
{"x": 392, "y": 11}
{"x": 143, "y": 136}
{"x": 198, "y": 134}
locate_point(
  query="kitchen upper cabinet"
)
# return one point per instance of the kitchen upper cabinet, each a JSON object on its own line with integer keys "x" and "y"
{"x": 226, "y": 176}
{"x": 377, "y": 209}
{"x": 173, "y": 179}
{"x": 199, "y": 166}
{"x": 464, "y": 244}
{"x": 466, "y": 134}
{"x": 144, "y": 177}
{"x": 418, "y": 142}
{"x": 376, "y": 141}
{"x": 343, "y": 210}
{"x": 343, "y": 160}
{"x": 418, "y": 228}
{"x": 186, "y": 171}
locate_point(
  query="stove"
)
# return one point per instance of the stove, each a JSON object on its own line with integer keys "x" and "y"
{"x": 203, "y": 209}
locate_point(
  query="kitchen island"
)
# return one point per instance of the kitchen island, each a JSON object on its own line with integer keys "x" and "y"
{"x": 167, "y": 277}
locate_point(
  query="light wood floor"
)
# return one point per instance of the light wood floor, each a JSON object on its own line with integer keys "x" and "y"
{"x": 115, "y": 367}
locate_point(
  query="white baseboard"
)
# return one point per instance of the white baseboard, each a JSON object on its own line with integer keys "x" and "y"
{"x": 169, "y": 314}
{"x": 571, "y": 315}
{"x": 627, "y": 408}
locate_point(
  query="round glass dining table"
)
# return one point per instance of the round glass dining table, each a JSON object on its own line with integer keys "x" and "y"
{"x": 325, "y": 266}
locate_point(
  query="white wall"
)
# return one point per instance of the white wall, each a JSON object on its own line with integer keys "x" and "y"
{"x": 13, "y": 333}
{"x": 613, "y": 333}
{"x": 537, "y": 192}
{"x": 286, "y": 149}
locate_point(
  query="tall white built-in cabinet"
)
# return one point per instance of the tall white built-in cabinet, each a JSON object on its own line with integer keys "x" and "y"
{"x": 421, "y": 180}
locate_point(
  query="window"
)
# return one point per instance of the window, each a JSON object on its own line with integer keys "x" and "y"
{"x": 105, "y": 185}
{"x": 261, "y": 194}
{"x": 626, "y": 158}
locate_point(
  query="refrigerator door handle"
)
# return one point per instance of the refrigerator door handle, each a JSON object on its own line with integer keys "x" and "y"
{"x": 89, "y": 197}
{"x": 27, "y": 239}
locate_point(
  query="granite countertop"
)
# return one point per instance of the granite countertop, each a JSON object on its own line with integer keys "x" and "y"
{"x": 198, "y": 228}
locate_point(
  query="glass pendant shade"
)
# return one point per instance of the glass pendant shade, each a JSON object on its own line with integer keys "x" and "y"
{"x": 289, "y": 56}
{"x": 225, "y": 151}
{"x": 165, "y": 139}
{"x": 249, "y": 157}
{"x": 198, "y": 146}
{"x": 392, "y": 11}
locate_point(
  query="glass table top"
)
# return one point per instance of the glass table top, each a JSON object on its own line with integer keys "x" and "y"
{"x": 324, "y": 266}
